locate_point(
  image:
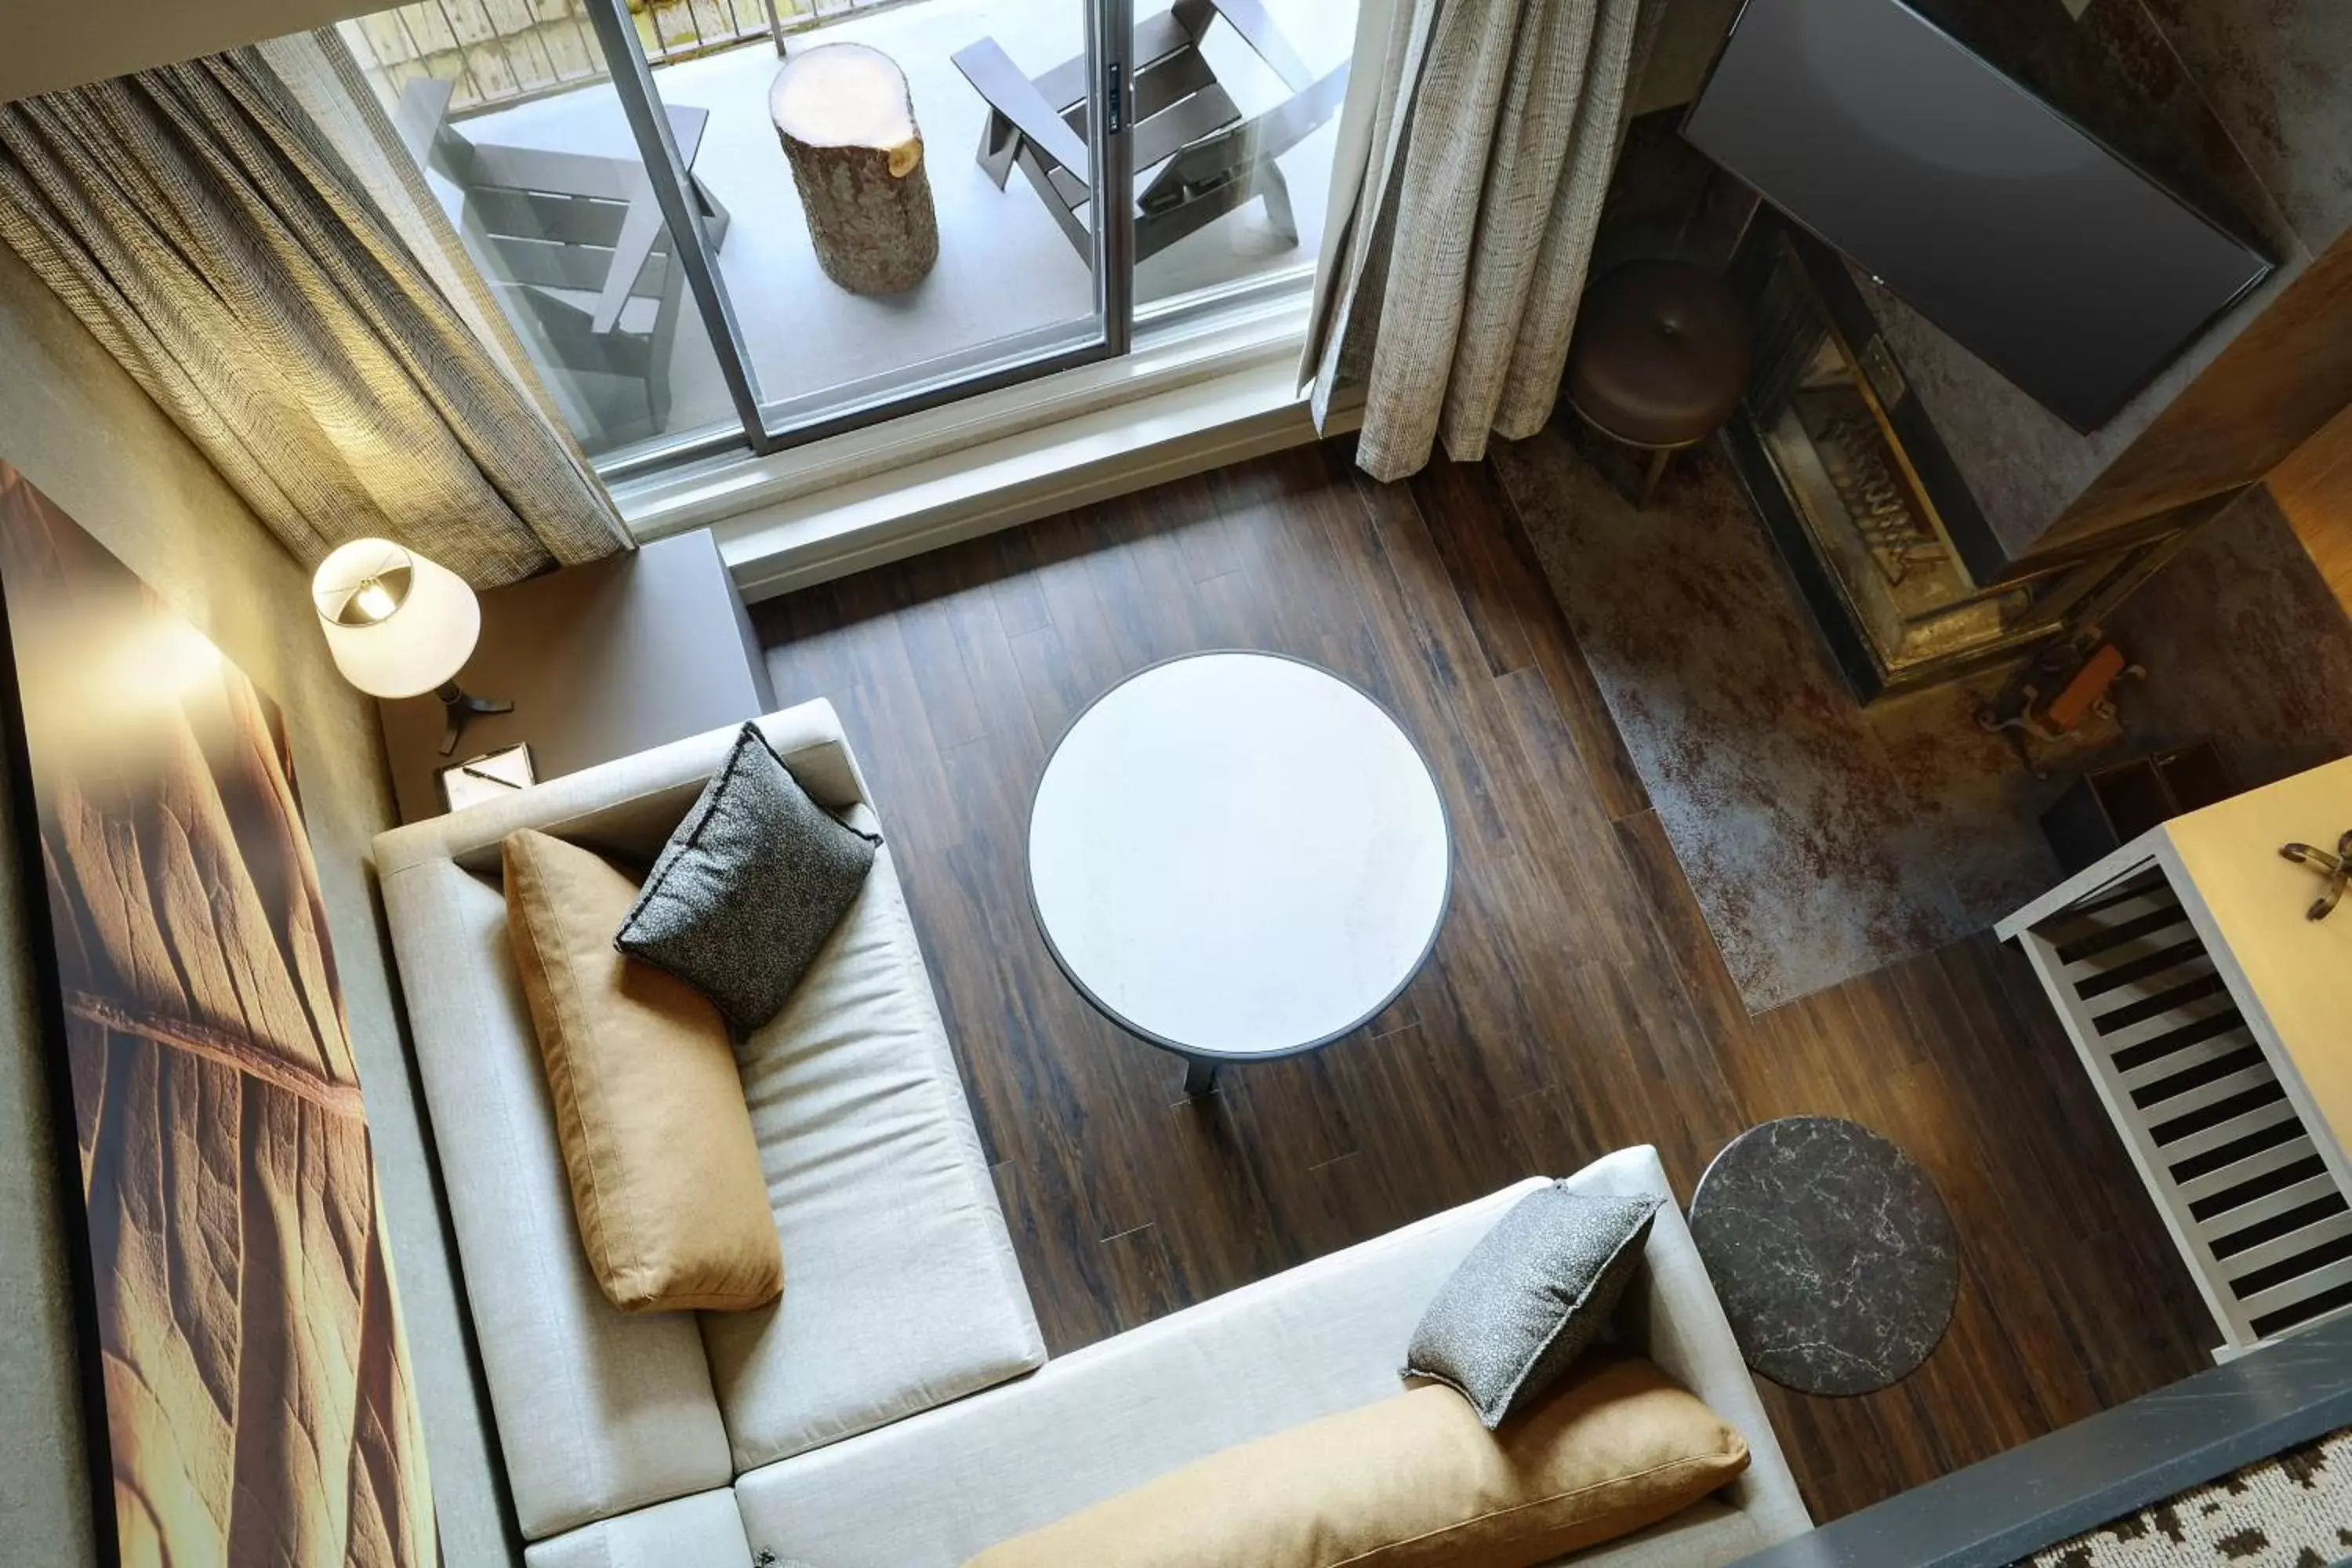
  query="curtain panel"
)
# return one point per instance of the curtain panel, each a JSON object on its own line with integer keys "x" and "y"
{"x": 237, "y": 233}
{"x": 1476, "y": 147}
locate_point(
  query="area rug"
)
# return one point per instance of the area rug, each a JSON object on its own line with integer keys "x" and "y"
{"x": 1787, "y": 813}
{"x": 2249, "y": 647}
{"x": 1822, "y": 840}
{"x": 2291, "y": 1511}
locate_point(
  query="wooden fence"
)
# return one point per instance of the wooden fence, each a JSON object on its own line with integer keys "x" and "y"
{"x": 499, "y": 51}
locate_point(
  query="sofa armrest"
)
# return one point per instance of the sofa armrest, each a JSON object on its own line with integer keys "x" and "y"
{"x": 597, "y": 1411}
{"x": 630, "y": 806}
{"x": 1673, "y": 1314}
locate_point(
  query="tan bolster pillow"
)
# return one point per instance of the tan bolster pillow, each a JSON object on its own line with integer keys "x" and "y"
{"x": 1416, "y": 1481}
{"x": 665, "y": 1179}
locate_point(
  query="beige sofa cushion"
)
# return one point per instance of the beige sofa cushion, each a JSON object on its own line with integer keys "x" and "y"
{"x": 1417, "y": 1480}
{"x": 904, "y": 1293}
{"x": 665, "y": 1179}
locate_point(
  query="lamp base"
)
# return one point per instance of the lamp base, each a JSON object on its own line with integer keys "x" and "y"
{"x": 457, "y": 706}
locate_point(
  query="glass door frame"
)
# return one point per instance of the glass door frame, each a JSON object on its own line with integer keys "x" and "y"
{"x": 1110, "y": 42}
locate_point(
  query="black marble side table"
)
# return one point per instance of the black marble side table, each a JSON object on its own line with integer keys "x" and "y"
{"x": 1832, "y": 1253}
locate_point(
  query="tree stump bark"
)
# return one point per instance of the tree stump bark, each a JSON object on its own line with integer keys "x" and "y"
{"x": 847, "y": 125}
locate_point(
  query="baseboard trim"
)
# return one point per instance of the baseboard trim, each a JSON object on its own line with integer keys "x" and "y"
{"x": 766, "y": 569}
{"x": 1000, "y": 485}
{"x": 1200, "y": 402}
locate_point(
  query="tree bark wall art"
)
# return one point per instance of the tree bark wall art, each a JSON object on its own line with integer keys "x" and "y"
{"x": 258, "y": 1407}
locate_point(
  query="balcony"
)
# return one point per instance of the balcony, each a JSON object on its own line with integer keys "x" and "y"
{"x": 474, "y": 83}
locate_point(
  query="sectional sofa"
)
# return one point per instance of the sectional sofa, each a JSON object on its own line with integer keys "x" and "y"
{"x": 896, "y": 1409}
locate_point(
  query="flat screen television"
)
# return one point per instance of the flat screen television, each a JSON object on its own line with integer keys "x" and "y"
{"x": 2013, "y": 229}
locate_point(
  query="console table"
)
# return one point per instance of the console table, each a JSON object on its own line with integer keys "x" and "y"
{"x": 601, "y": 661}
{"x": 2216, "y": 1020}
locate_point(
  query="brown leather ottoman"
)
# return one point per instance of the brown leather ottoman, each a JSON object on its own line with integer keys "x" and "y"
{"x": 1660, "y": 358}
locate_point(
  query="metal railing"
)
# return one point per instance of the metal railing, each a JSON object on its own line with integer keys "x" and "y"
{"x": 497, "y": 52}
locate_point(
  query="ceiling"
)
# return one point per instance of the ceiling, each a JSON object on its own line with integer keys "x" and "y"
{"x": 52, "y": 44}
{"x": 64, "y": 43}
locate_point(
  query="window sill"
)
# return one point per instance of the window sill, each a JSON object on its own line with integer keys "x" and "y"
{"x": 1197, "y": 398}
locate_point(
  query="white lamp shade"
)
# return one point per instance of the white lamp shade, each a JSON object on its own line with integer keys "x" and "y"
{"x": 398, "y": 624}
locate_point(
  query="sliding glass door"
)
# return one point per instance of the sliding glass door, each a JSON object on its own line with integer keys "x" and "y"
{"x": 704, "y": 246}
{"x": 729, "y": 223}
{"x": 561, "y": 218}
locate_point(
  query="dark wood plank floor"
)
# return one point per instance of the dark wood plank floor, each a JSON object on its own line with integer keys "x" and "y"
{"x": 1574, "y": 1003}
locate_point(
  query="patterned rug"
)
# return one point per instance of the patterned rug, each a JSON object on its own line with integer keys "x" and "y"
{"x": 2291, "y": 1511}
{"x": 1822, "y": 840}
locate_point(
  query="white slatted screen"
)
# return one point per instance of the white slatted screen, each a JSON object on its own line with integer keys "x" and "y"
{"x": 2250, "y": 1198}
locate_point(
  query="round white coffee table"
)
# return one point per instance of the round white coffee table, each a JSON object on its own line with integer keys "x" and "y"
{"x": 1236, "y": 856}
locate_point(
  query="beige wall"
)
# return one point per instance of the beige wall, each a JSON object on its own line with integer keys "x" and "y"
{"x": 83, "y": 432}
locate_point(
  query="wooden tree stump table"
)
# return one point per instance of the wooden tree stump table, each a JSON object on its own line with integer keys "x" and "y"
{"x": 847, "y": 124}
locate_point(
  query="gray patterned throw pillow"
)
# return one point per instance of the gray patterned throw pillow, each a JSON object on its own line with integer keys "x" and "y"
{"x": 748, "y": 887}
{"x": 1532, "y": 1296}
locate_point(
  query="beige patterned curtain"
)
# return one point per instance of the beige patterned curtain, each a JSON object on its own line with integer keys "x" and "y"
{"x": 1477, "y": 146}
{"x": 300, "y": 308}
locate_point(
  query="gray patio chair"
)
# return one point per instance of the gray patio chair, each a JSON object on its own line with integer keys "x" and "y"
{"x": 546, "y": 225}
{"x": 1215, "y": 160}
